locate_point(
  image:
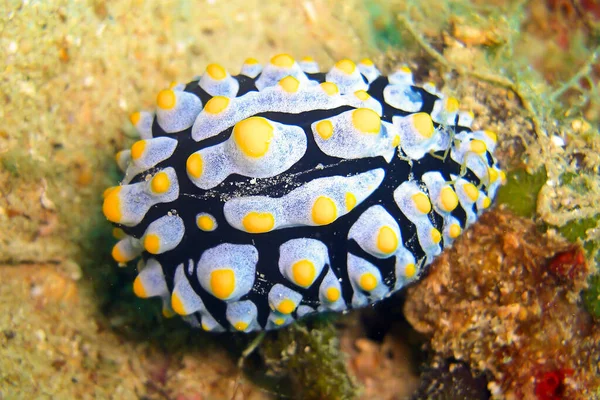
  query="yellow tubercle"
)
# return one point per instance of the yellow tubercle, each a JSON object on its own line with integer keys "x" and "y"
{"x": 308, "y": 59}
{"x": 279, "y": 321}
{"x": 436, "y": 236}
{"x": 387, "y": 240}
{"x": 304, "y": 273}
{"x": 367, "y": 282}
{"x": 421, "y": 202}
{"x": 350, "y": 201}
{"x": 222, "y": 283}
{"x": 137, "y": 150}
{"x": 449, "y": 199}
{"x": 346, "y": 66}
{"x": 160, "y": 183}
{"x": 216, "y": 71}
{"x": 478, "y": 146}
{"x": 454, "y": 231}
{"x": 332, "y": 294}
{"x": 289, "y": 84}
{"x": 282, "y": 61}
{"x": 118, "y": 256}
{"x": 166, "y": 99}
{"x": 286, "y": 306}
{"x": 451, "y": 105}
{"x": 258, "y": 222}
{"x": 366, "y": 120}
{"x": 251, "y": 61}
{"x": 362, "y": 95}
{"x": 367, "y": 62}
{"x": 216, "y": 104}
{"x": 410, "y": 270}
{"x": 205, "y": 223}
{"x": 253, "y": 136}
{"x": 423, "y": 124}
{"x": 112, "y": 205}
{"x": 324, "y": 211}
{"x": 177, "y": 305}
{"x": 396, "y": 141}
{"x": 135, "y": 117}
{"x": 240, "y": 326}
{"x": 152, "y": 243}
{"x": 324, "y": 129}
{"x": 330, "y": 88}
{"x": 138, "y": 288}
{"x": 194, "y": 165}
{"x": 471, "y": 191}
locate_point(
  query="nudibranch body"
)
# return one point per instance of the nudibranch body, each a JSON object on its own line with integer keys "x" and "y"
{"x": 257, "y": 199}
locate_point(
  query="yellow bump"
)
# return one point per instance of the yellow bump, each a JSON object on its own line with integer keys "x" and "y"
{"x": 350, "y": 201}
{"x": 324, "y": 211}
{"x": 117, "y": 255}
{"x": 135, "y": 117}
{"x": 222, "y": 283}
{"x": 108, "y": 191}
{"x": 112, "y": 205}
{"x": 486, "y": 202}
{"x": 423, "y": 124}
{"x": 289, "y": 84}
{"x": 282, "y": 61}
{"x": 436, "y": 236}
{"x": 493, "y": 174}
{"x": 367, "y": 62}
{"x": 330, "y": 88}
{"x": 240, "y": 326}
{"x": 118, "y": 233}
{"x": 324, "y": 129}
{"x": 177, "y": 305}
{"x": 152, "y": 243}
{"x": 478, "y": 146}
{"x": 278, "y": 321}
{"x": 366, "y": 120}
{"x": 138, "y": 288}
{"x": 332, "y": 294}
{"x": 205, "y": 223}
{"x": 118, "y": 156}
{"x": 502, "y": 177}
{"x": 405, "y": 69}
{"x": 167, "y": 312}
{"x": 387, "y": 240}
{"x": 257, "y": 222}
{"x": 166, "y": 99}
{"x": 492, "y": 135}
{"x": 471, "y": 191}
{"x": 308, "y": 59}
{"x": 421, "y": 202}
{"x": 172, "y": 84}
{"x": 194, "y": 165}
{"x": 160, "y": 183}
{"x": 396, "y": 141}
{"x": 253, "y": 136}
{"x": 251, "y": 61}
{"x": 346, "y": 66}
{"x": 454, "y": 231}
{"x": 205, "y": 327}
{"x": 362, "y": 95}
{"x": 368, "y": 281}
{"x": 410, "y": 270}
{"x": 286, "y": 306}
{"x": 451, "y": 105}
{"x": 216, "y": 72}
{"x": 448, "y": 198}
{"x": 216, "y": 104}
{"x": 303, "y": 273}
{"x": 137, "y": 150}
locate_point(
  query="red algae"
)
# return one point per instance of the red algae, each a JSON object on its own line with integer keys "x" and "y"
{"x": 506, "y": 300}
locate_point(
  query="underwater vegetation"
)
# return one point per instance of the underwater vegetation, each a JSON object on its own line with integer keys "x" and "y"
{"x": 71, "y": 324}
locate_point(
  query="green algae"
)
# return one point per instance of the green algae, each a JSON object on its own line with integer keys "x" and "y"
{"x": 521, "y": 190}
{"x": 311, "y": 360}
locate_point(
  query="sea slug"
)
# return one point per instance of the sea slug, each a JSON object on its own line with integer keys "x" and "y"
{"x": 257, "y": 199}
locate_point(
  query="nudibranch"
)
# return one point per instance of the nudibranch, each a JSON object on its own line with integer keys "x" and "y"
{"x": 255, "y": 200}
